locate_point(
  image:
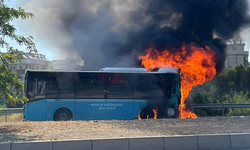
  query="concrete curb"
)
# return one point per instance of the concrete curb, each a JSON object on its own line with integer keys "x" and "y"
{"x": 189, "y": 142}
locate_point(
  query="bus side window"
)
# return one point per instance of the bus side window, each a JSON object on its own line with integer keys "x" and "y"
{"x": 41, "y": 87}
{"x": 174, "y": 88}
{"x": 52, "y": 86}
{"x": 89, "y": 85}
{"x": 168, "y": 80}
{"x": 36, "y": 86}
{"x": 142, "y": 86}
{"x": 118, "y": 86}
{"x": 31, "y": 88}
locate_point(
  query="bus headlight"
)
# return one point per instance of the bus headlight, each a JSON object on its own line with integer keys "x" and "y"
{"x": 170, "y": 111}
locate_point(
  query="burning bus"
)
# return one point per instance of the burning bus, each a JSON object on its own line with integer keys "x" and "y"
{"x": 111, "y": 93}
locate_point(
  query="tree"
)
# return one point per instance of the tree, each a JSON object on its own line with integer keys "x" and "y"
{"x": 231, "y": 86}
{"x": 11, "y": 88}
{"x": 240, "y": 97}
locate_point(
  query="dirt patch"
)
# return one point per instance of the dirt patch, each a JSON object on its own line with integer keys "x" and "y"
{"x": 11, "y": 118}
{"x": 50, "y": 130}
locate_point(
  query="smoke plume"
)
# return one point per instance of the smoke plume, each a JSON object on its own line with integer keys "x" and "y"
{"x": 114, "y": 32}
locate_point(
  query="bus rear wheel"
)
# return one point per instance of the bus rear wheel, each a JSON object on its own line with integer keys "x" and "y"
{"x": 147, "y": 113}
{"x": 63, "y": 114}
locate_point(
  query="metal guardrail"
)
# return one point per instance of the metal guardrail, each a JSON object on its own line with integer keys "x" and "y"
{"x": 223, "y": 106}
{"x": 7, "y": 111}
{"x": 11, "y": 110}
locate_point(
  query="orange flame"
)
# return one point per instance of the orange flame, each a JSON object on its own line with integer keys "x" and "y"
{"x": 139, "y": 116}
{"x": 197, "y": 66}
{"x": 155, "y": 113}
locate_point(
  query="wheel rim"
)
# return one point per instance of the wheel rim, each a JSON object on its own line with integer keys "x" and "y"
{"x": 63, "y": 116}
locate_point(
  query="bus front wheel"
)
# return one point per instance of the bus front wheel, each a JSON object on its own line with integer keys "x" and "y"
{"x": 63, "y": 114}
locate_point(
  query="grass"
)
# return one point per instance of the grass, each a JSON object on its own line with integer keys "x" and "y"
{"x": 11, "y": 118}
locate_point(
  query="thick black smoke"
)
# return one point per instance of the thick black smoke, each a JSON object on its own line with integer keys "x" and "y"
{"x": 198, "y": 21}
{"x": 114, "y": 32}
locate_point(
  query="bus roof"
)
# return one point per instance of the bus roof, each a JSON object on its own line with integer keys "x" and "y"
{"x": 137, "y": 70}
{"x": 117, "y": 70}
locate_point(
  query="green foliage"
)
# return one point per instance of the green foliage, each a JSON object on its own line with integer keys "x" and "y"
{"x": 231, "y": 86}
{"x": 2, "y": 106}
{"x": 2, "y": 103}
{"x": 235, "y": 97}
{"x": 206, "y": 93}
{"x": 11, "y": 88}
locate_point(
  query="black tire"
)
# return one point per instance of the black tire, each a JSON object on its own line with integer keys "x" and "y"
{"x": 147, "y": 113}
{"x": 63, "y": 114}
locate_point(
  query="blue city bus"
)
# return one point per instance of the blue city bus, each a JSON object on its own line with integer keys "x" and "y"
{"x": 111, "y": 93}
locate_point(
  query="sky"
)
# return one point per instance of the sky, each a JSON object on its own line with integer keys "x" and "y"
{"x": 42, "y": 46}
{"x": 52, "y": 52}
